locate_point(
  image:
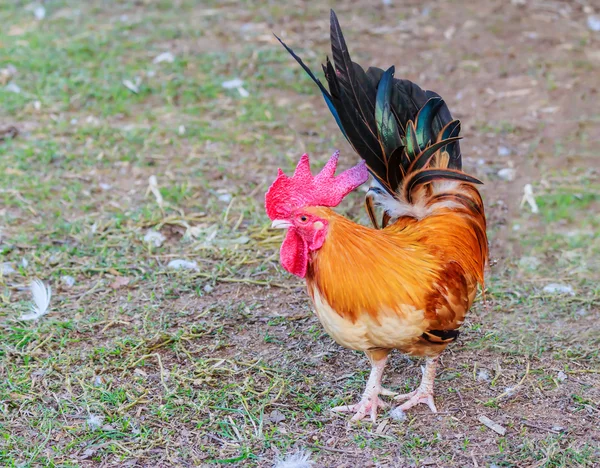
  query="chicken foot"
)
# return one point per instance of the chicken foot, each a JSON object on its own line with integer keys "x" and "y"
{"x": 370, "y": 401}
{"x": 424, "y": 393}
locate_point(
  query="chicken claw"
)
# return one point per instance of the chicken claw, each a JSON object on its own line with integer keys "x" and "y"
{"x": 368, "y": 405}
{"x": 370, "y": 400}
{"x": 423, "y": 394}
{"x": 416, "y": 397}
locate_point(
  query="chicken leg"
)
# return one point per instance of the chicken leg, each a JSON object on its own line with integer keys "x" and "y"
{"x": 370, "y": 400}
{"x": 423, "y": 394}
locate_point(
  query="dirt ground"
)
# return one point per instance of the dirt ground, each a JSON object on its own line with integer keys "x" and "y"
{"x": 139, "y": 364}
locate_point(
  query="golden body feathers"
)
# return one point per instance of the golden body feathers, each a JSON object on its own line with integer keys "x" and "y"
{"x": 404, "y": 286}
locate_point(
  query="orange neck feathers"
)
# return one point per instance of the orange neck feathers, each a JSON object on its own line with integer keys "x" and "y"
{"x": 362, "y": 270}
{"x": 359, "y": 269}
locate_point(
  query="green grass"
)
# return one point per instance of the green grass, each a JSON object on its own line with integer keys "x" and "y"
{"x": 227, "y": 364}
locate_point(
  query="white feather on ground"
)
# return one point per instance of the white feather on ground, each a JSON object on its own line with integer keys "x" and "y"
{"x": 41, "y": 295}
{"x": 300, "y": 459}
{"x": 95, "y": 421}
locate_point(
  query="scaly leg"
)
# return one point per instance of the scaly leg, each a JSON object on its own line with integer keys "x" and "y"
{"x": 423, "y": 394}
{"x": 370, "y": 400}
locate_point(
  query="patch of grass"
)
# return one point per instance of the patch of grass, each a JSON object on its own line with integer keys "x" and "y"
{"x": 565, "y": 206}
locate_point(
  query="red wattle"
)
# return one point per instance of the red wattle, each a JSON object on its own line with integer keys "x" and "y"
{"x": 294, "y": 253}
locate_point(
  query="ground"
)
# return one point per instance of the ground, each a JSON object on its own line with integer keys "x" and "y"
{"x": 138, "y": 364}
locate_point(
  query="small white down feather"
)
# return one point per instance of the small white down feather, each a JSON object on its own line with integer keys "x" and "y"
{"x": 396, "y": 208}
{"x": 300, "y": 459}
{"x": 41, "y": 295}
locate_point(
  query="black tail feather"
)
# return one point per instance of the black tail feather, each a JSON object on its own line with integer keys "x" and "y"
{"x": 393, "y": 124}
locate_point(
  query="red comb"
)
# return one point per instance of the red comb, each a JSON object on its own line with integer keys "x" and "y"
{"x": 287, "y": 194}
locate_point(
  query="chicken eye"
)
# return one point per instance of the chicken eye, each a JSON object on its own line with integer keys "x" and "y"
{"x": 303, "y": 218}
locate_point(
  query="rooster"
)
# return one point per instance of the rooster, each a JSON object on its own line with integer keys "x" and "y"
{"x": 407, "y": 282}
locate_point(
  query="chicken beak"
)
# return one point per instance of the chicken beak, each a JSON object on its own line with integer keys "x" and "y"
{"x": 281, "y": 224}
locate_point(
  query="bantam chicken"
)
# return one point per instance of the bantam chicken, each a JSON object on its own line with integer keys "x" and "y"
{"x": 408, "y": 282}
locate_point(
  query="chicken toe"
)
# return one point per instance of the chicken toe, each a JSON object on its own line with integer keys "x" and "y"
{"x": 365, "y": 407}
{"x": 370, "y": 401}
{"x": 385, "y": 392}
{"x": 423, "y": 394}
{"x": 416, "y": 397}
